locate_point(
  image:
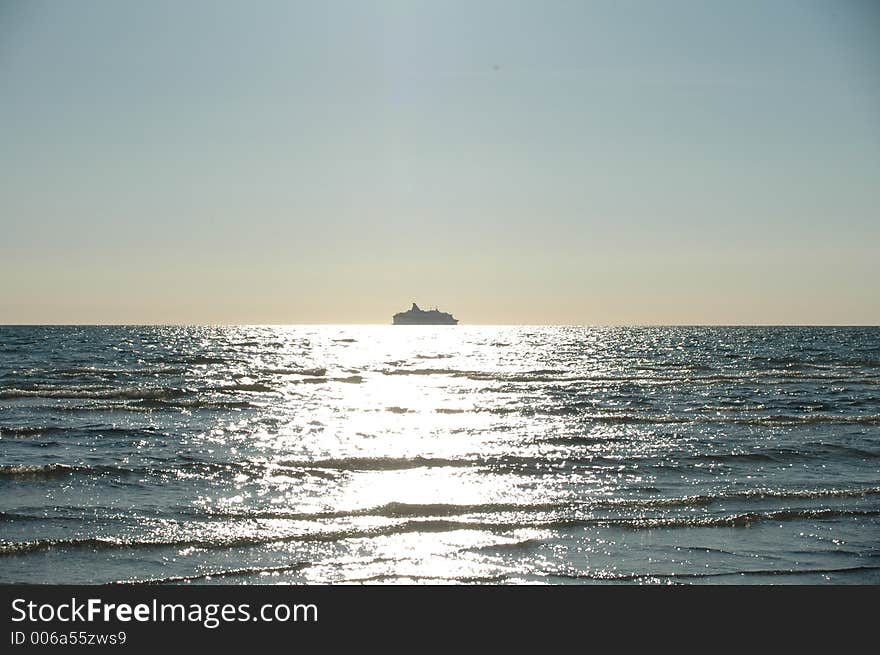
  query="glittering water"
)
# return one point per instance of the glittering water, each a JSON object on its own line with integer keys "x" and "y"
{"x": 454, "y": 454}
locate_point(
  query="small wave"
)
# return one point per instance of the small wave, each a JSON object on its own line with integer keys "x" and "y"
{"x": 389, "y": 510}
{"x": 375, "y": 463}
{"x": 224, "y": 573}
{"x": 41, "y": 545}
{"x": 103, "y": 431}
{"x": 8, "y": 548}
{"x": 90, "y": 372}
{"x": 621, "y": 418}
{"x": 802, "y": 419}
{"x": 397, "y": 509}
{"x": 545, "y": 376}
{"x": 728, "y": 458}
{"x": 194, "y": 404}
{"x": 15, "y": 516}
{"x": 129, "y": 393}
{"x": 55, "y": 470}
{"x": 27, "y": 431}
{"x": 307, "y": 372}
{"x": 351, "y": 379}
{"x": 255, "y": 387}
{"x": 421, "y": 526}
{"x": 611, "y": 576}
{"x": 427, "y": 371}
{"x": 524, "y": 544}
{"x": 460, "y": 579}
{"x": 503, "y": 464}
{"x": 791, "y": 420}
{"x": 804, "y": 493}
{"x": 114, "y": 373}
{"x": 579, "y": 440}
{"x": 699, "y": 500}
{"x": 200, "y": 360}
{"x": 102, "y": 407}
{"x": 744, "y": 519}
{"x": 52, "y": 471}
{"x": 844, "y": 449}
{"x": 807, "y": 452}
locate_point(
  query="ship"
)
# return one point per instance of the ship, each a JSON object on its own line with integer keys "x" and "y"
{"x": 416, "y": 316}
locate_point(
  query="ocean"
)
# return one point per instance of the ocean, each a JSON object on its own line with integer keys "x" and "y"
{"x": 466, "y": 454}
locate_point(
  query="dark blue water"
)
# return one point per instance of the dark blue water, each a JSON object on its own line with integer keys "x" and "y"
{"x": 454, "y": 454}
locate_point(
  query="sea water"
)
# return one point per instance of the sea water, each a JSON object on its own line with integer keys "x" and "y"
{"x": 350, "y": 454}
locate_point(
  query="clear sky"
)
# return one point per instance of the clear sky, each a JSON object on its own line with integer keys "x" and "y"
{"x": 511, "y": 162}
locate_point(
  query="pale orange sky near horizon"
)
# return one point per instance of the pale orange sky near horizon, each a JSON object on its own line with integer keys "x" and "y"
{"x": 599, "y": 163}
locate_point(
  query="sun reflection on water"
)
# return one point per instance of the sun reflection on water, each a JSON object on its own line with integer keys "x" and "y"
{"x": 469, "y": 454}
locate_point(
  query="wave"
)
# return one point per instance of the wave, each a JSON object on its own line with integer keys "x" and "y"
{"x": 611, "y": 576}
{"x": 399, "y": 410}
{"x": 409, "y": 510}
{"x": 125, "y": 393}
{"x": 393, "y": 510}
{"x": 27, "y": 431}
{"x": 510, "y": 464}
{"x": 294, "y": 468}
{"x": 137, "y": 393}
{"x": 8, "y": 548}
{"x": 752, "y": 494}
{"x": 78, "y": 430}
{"x": 572, "y": 376}
{"x": 11, "y": 548}
{"x": 745, "y": 519}
{"x": 17, "y": 516}
{"x": 308, "y": 372}
{"x": 805, "y": 419}
{"x": 195, "y": 404}
{"x": 788, "y": 420}
{"x": 151, "y": 405}
{"x": 375, "y": 463}
{"x": 223, "y": 573}
{"x": 351, "y": 379}
{"x": 50, "y": 471}
{"x": 461, "y": 579}
{"x": 428, "y": 371}
{"x": 579, "y": 440}
{"x": 808, "y": 452}
{"x": 289, "y": 468}
{"x": 113, "y": 373}
{"x": 256, "y": 387}
{"x": 521, "y": 545}
{"x": 56, "y": 470}
{"x": 201, "y": 360}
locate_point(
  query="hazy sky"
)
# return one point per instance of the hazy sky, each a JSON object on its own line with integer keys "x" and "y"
{"x": 511, "y": 162}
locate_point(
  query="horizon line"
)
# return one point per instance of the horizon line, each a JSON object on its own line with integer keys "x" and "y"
{"x": 583, "y": 325}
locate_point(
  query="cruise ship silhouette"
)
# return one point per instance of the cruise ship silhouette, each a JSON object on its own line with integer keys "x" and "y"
{"x": 416, "y": 316}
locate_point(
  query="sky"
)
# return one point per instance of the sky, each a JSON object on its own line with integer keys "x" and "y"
{"x": 542, "y": 162}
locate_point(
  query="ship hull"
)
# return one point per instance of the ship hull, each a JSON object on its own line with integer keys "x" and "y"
{"x": 422, "y": 321}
